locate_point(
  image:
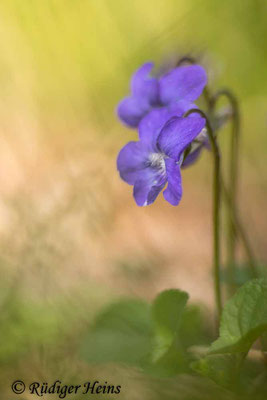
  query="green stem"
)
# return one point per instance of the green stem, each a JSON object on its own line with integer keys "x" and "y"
{"x": 216, "y": 210}
{"x": 233, "y": 174}
{"x": 234, "y": 223}
{"x": 242, "y": 232}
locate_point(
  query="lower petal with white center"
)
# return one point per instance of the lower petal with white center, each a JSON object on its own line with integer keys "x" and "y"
{"x": 148, "y": 187}
{"x": 173, "y": 192}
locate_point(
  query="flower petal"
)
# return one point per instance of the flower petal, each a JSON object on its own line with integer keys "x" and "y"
{"x": 182, "y": 83}
{"x": 151, "y": 125}
{"x": 149, "y": 184}
{"x": 178, "y": 133}
{"x": 192, "y": 157}
{"x": 173, "y": 192}
{"x": 131, "y": 161}
{"x": 179, "y": 108}
{"x": 145, "y": 193}
{"x": 144, "y": 87}
{"x": 131, "y": 110}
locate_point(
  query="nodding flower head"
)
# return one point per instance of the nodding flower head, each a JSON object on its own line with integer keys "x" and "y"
{"x": 201, "y": 142}
{"x": 155, "y": 160}
{"x": 180, "y": 87}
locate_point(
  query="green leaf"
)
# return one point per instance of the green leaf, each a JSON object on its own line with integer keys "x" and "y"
{"x": 169, "y": 356}
{"x": 122, "y": 333}
{"x": 153, "y": 338}
{"x": 134, "y": 333}
{"x": 221, "y": 368}
{"x": 194, "y": 328}
{"x": 244, "y": 319}
{"x": 167, "y": 311}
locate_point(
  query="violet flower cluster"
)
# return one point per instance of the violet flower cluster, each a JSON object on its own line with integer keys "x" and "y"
{"x": 156, "y": 107}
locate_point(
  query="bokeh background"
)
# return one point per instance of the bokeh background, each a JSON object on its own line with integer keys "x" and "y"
{"x": 71, "y": 237}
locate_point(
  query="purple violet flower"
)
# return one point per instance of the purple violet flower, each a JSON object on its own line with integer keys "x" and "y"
{"x": 155, "y": 160}
{"x": 182, "y": 84}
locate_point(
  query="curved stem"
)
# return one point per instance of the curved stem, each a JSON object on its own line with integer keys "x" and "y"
{"x": 233, "y": 173}
{"x": 186, "y": 59}
{"x": 242, "y": 232}
{"x": 216, "y": 210}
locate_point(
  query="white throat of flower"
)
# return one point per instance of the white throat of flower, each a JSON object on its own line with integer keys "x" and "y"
{"x": 156, "y": 160}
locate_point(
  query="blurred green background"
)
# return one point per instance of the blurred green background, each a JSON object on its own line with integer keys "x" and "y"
{"x": 72, "y": 238}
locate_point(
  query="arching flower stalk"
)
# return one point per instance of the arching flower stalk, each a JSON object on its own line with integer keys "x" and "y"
{"x": 234, "y": 225}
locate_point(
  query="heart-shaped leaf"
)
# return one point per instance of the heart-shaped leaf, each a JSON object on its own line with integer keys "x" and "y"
{"x": 244, "y": 319}
{"x": 167, "y": 311}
